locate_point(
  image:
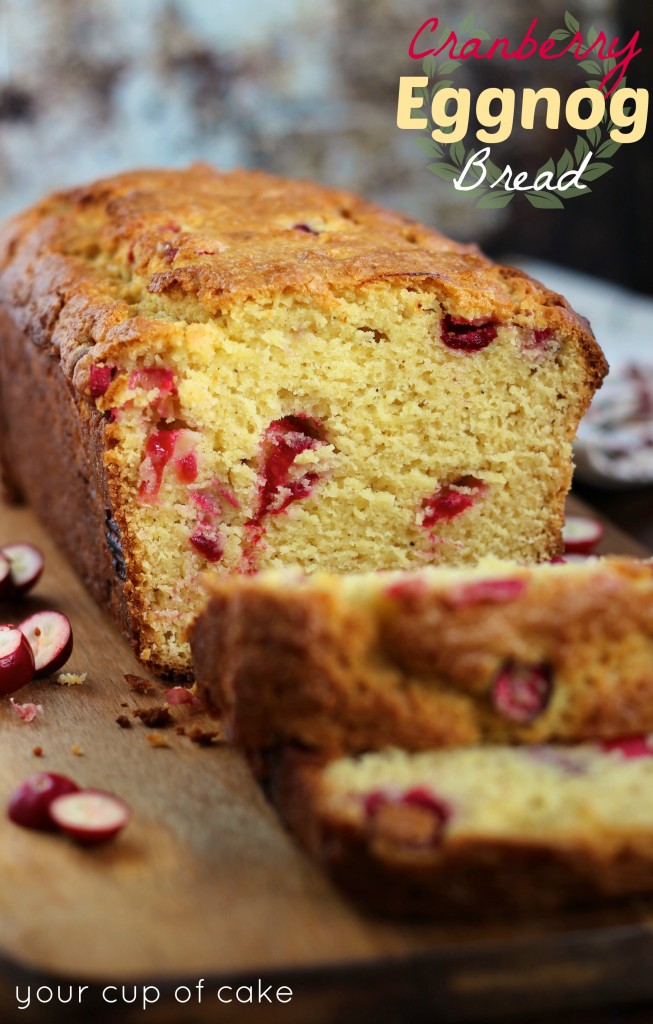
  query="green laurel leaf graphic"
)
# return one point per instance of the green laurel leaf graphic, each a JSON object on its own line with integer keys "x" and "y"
{"x": 495, "y": 200}
{"x": 457, "y": 152}
{"x": 445, "y": 171}
{"x": 429, "y": 66}
{"x": 444, "y": 84}
{"x": 451, "y": 157}
{"x": 429, "y": 146}
{"x": 608, "y": 148}
{"x": 593, "y": 136}
{"x": 544, "y": 200}
{"x": 565, "y": 163}
{"x": 571, "y": 22}
{"x": 448, "y": 66}
{"x": 596, "y": 170}
{"x": 548, "y": 166}
{"x": 467, "y": 22}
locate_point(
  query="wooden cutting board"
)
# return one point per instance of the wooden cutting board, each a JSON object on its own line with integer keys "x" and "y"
{"x": 205, "y": 883}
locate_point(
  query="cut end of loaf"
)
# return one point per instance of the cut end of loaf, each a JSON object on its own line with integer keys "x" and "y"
{"x": 363, "y": 437}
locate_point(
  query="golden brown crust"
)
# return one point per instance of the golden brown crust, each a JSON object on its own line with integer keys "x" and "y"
{"x": 310, "y": 665}
{"x": 55, "y": 456}
{"x": 76, "y": 268}
{"x": 471, "y": 877}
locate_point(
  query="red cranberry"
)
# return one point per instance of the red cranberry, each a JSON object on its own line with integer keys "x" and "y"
{"x": 283, "y": 441}
{"x": 448, "y": 502}
{"x": 522, "y": 692}
{"x": 538, "y": 342}
{"x": 167, "y": 251}
{"x": 90, "y": 816}
{"x": 630, "y": 746}
{"x": 24, "y": 565}
{"x": 306, "y": 228}
{"x": 29, "y": 804}
{"x": 228, "y": 495}
{"x": 186, "y": 466}
{"x": 207, "y": 541}
{"x": 16, "y": 660}
{"x": 50, "y": 637}
{"x": 468, "y": 335}
{"x": 485, "y": 591}
{"x": 151, "y": 377}
{"x": 407, "y": 589}
{"x": 159, "y": 449}
{"x": 381, "y": 801}
{"x": 99, "y": 380}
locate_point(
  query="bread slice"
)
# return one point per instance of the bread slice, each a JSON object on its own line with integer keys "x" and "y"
{"x": 241, "y": 372}
{"x": 477, "y": 831}
{"x": 439, "y": 657}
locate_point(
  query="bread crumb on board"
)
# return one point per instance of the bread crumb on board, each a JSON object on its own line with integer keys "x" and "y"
{"x": 77, "y": 750}
{"x": 137, "y": 683}
{"x": 203, "y": 737}
{"x": 158, "y": 717}
{"x": 71, "y": 678}
{"x": 157, "y": 740}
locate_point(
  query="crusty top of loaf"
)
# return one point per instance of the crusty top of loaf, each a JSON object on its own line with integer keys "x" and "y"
{"x": 76, "y": 268}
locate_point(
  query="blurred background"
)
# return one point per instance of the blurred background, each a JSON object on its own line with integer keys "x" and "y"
{"x": 309, "y": 89}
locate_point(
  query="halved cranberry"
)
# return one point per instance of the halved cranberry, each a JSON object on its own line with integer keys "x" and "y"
{"x": 485, "y": 592}
{"x": 468, "y": 335}
{"x": 630, "y": 746}
{"x": 29, "y": 804}
{"x": 415, "y": 817}
{"x": 186, "y": 466}
{"x": 448, "y": 502}
{"x": 167, "y": 251}
{"x": 522, "y": 692}
{"x": 50, "y": 637}
{"x": 228, "y": 495}
{"x": 90, "y": 816}
{"x": 25, "y": 564}
{"x": 207, "y": 541}
{"x": 581, "y": 534}
{"x": 537, "y": 342}
{"x": 407, "y": 589}
{"x": 206, "y": 502}
{"x": 159, "y": 449}
{"x": 283, "y": 441}
{"x": 99, "y": 380}
{"x": 151, "y": 377}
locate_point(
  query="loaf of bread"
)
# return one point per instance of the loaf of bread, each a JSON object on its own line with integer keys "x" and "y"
{"x": 432, "y": 658}
{"x": 240, "y": 372}
{"x": 477, "y": 831}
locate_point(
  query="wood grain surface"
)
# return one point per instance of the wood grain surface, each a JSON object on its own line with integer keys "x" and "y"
{"x": 205, "y": 883}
